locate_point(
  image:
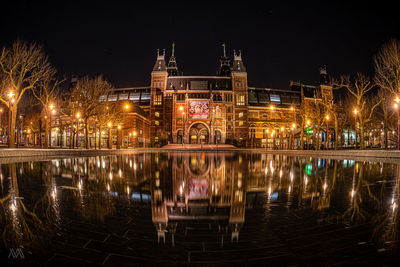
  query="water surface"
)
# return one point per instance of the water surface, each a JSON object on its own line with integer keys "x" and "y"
{"x": 205, "y": 208}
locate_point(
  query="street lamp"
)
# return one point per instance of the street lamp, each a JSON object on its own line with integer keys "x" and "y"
{"x": 52, "y": 111}
{"x": 78, "y": 115}
{"x": 10, "y": 102}
{"x": 308, "y": 123}
{"x": 396, "y": 105}
{"x": 293, "y": 127}
{"x": 355, "y": 111}
{"x": 134, "y": 138}
{"x": 1, "y": 126}
{"x": 327, "y": 131}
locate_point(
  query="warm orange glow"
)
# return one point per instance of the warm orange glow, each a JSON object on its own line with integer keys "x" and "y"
{"x": 294, "y": 125}
{"x": 78, "y": 115}
{"x": 355, "y": 111}
{"x": 396, "y": 106}
{"x": 11, "y": 94}
{"x": 51, "y": 106}
{"x": 109, "y": 124}
{"x": 267, "y": 131}
{"x": 308, "y": 122}
{"x": 134, "y": 133}
{"x": 181, "y": 108}
{"x": 282, "y": 129}
{"x": 291, "y": 108}
{"x": 327, "y": 117}
{"x": 119, "y": 127}
{"x": 53, "y": 111}
{"x": 1, "y": 110}
{"x": 126, "y": 106}
{"x": 397, "y": 100}
{"x": 271, "y": 107}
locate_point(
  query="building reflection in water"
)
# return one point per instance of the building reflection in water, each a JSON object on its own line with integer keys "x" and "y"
{"x": 182, "y": 188}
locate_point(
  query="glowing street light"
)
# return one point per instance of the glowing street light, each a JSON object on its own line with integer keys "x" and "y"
{"x": 308, "y": 123}
{"x": 327, "y": 131}
{"x": 293, "y": 127}
{"x": 396, "y": 105}
{"x": 355, "y": 111}
{"x": 78, "y": 115}
{"x": 52, "y": 111}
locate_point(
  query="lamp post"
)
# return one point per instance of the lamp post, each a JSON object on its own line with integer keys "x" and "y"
{"x": 52, "y": 110}
{"x": 134, "y": 139}
{"x": 355, "y": 111}
{"x": 308, "y": 123}
{"x": 183, "y": 114}
{"x": 1, "y": 125}
{"x": 109, "y": 135}
{"x": 10, "y": 102}
{"x": 396, "y": 105}
{"x": 327, "y": 131}
{"x": 77, "y": 129}
{"x": 293, "y": 127}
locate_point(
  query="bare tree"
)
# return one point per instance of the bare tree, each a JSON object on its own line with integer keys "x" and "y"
{"x": 46, "y": 94}
{"x": 88, "y": 94}
{"x": 387, "y": 67}
{"x": 358, "y": 94}
{"x": 23, "y": 66}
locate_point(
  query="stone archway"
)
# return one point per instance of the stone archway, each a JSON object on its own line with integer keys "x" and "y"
{"x": 199, "y": 134}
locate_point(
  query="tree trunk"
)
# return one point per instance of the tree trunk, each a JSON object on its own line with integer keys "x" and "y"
{"x": 12, "y": 127}
{"x": 109, "y": 139}
{"x": 361, "y": 136}
{"x": 46, "y": 135}
{"x": 302, "y": 137}
{"x": 317, "y": 142}
{"x": 99, "y": 137}
{"x": 336, "y": 133}
{"x": 87, "y": 145}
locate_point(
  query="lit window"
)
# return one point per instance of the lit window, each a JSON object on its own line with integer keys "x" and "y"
{"x": 157, "y": 99}
{"x": 140, "y": 131}
{"x": 240, "y": 100}
{"x": 240, "y": 123}
{"x": 240, "y": 114}
{"x": 156, "y": 122}
{"x": 157, "y": 114}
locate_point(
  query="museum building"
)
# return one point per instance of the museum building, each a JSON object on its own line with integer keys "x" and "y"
{"x": 217, "y": 109}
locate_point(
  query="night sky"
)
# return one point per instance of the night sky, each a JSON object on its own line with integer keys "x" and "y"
{"x": 280, "y": 40}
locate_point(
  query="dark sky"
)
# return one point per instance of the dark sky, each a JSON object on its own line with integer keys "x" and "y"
{"x": 280, "y": 40}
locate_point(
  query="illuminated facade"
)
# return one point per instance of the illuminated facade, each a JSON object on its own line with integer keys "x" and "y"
{"x": 220, "y": 108}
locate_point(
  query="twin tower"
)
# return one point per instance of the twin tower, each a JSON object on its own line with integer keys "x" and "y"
{"x": 198, "y": 109}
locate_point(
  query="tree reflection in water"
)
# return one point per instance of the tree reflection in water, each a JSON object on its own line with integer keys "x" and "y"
{"x": 42, "y": 197}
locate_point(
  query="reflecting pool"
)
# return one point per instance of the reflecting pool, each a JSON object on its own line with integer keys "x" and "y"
{"x": 202, "y": 208}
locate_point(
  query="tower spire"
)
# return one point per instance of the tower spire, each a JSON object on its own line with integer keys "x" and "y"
{"x": 223, "y": 45}
{"x": 172, "y": 67}
{"x": 224, "y": 64}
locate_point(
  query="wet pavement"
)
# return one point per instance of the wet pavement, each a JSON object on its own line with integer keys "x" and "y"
{"x": 209, "y": 209}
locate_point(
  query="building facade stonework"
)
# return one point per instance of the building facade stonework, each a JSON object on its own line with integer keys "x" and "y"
{"x": 221, "y": 108}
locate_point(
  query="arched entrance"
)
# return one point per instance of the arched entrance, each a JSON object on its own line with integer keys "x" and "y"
{"x": 198, "y": 134}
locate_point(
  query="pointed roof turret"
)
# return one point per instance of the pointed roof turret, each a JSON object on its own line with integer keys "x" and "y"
{"x": 323, "y": 75}
{"x": 238, "y": 65}
{"x": 160, "y": 62}
{"x": 172, "y": 66}
{"x": 224, "y": 64}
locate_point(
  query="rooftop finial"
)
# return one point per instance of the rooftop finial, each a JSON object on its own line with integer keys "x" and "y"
{"x": 173, "y": 49}
{"x": 223, "y": 45}
{"x": 163, "y": 51}
{"x": 158, "y": 52}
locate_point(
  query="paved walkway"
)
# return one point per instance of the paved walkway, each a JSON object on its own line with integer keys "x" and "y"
{"x": 20, "y": 154}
